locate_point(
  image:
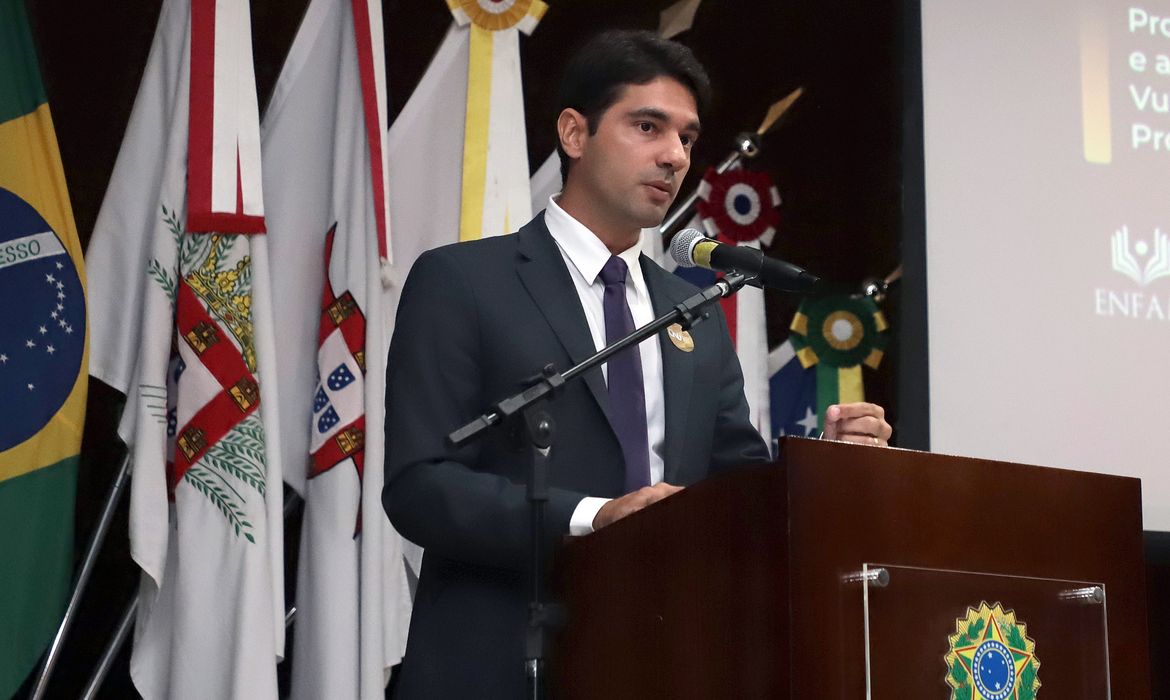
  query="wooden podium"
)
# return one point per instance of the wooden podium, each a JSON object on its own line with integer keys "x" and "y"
{"x": 840, "y": 572}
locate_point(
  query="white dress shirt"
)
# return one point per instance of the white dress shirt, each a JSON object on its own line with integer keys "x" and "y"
{"x": 585, "y": 255}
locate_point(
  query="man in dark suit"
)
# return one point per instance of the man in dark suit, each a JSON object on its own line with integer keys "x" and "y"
{"x": 477, "y": 320}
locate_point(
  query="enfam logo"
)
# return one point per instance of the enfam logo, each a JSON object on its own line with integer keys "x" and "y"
{"x": 1125, "y": 262}
{"x": 1142, "y": 262}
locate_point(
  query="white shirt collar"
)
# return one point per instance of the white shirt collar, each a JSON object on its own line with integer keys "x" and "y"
{"x": 585, "y": 250}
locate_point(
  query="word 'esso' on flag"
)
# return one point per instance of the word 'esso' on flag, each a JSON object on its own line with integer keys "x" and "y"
{"x": 43, "y": 360}
{"x": 838, "y": 334}
{"x": 44, "y": 334}
{"x": 739, "y": 205}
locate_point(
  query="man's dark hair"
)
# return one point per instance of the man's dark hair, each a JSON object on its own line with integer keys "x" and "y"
{"x": 600, "y": 71}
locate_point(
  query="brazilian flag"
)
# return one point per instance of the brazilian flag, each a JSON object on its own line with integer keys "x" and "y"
{"x": 43, "y": 360}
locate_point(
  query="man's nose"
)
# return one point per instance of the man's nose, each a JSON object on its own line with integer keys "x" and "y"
{"x": 674, "y": 155}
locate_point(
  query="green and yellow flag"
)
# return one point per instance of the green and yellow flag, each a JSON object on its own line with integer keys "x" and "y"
{"x": 43, "y": 360}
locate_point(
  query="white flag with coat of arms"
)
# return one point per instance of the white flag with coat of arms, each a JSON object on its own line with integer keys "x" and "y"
{"x": 181, "y": 324}
{"x": 325, "y": 192}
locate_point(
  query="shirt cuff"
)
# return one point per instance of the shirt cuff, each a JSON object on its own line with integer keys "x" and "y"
{"x": 581, "y": 522}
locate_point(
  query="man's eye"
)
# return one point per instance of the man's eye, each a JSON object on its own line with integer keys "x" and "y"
{"x": 646, "y": 127}
{"x": 686, "y": 140}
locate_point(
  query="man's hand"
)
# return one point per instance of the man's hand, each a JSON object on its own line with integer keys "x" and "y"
{"x": 863, "y": 423}
{"x": 633, "y": 502}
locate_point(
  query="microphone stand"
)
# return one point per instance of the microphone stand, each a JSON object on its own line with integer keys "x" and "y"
{"x": 526, "y": 411}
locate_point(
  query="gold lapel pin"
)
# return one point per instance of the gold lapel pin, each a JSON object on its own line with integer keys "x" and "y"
{"x": 681, "y": 339}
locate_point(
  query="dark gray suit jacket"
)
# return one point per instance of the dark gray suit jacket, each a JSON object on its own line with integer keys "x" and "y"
{"x": 476, "y": 321}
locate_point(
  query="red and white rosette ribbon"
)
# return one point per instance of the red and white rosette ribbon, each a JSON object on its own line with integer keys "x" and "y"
{"x": 739, "y": 205}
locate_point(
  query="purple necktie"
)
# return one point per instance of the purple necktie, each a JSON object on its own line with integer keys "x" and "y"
{"x": 627, "y": 393}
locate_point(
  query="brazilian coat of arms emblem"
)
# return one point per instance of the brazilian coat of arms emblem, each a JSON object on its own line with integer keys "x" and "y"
{"x": 991, "y": 657}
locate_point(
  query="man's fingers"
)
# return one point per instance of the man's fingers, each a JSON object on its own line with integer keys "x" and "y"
{"x": 664, "y": 489}
{"x": 657, "y": 492}
{"x": 845, "y": 411}
{"x": 832, "y": 418}
{"x": 863, "y": 440}
{"x": 860, "y": 422}
{"x": 866, "y": 425}
{"x": 633, "y": 502}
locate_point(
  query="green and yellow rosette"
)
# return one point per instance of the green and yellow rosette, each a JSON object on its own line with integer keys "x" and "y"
{"x": 838, "y": 335}
{"x": 990, "y": 657}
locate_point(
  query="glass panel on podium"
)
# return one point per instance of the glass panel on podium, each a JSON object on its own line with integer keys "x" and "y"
{"x": 981, "y": 636}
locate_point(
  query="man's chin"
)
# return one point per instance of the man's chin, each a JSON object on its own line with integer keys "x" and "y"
{"x": 653, "y": 217}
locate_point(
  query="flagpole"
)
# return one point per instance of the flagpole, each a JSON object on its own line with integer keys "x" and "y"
{"x": 95, "y": 545}
{"x": 111, "y": 651}
{"x": 114, "y": 647}
{"x": 747, "y": 145}
{"x": 873, "y": 287}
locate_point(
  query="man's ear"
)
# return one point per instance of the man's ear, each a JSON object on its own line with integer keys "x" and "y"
{"x": 573, "y": 132}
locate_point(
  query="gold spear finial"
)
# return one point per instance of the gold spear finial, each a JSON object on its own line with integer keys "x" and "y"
{"x": 894, "y": 276}
{"x": 677, "y": 18}
{"x": 777, "y": 110}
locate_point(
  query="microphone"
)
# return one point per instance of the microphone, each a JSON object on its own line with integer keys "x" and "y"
{"x": 690, "y": 247}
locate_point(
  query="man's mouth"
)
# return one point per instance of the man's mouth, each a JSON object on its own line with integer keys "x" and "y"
{"x": 661, "y": 185}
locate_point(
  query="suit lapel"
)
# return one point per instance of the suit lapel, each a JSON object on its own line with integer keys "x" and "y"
{"x": 542, "y": 272}
{"x": 678, "y": 367}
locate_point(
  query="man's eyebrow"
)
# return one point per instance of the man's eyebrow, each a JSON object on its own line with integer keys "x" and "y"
{"x": 659, "y": 115}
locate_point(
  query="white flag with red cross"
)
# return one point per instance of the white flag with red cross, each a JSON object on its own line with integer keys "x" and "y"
{"x": 326, "y": 202}
{"x": 182, "y": 324}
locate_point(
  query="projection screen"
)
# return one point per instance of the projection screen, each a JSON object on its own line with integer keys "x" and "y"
{"x": 1047, "y": 178}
